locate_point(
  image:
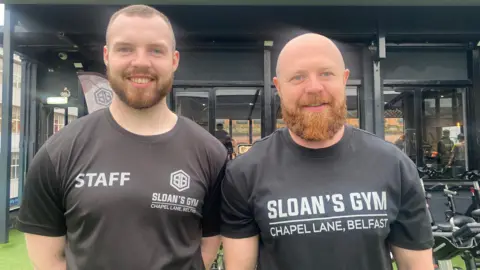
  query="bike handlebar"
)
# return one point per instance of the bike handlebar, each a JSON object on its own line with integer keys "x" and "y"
{"x": 470, "y": 174}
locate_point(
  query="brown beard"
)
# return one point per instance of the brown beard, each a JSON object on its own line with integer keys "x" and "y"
{"x": 315, "y": 126}
{"x": 140, "y": 99}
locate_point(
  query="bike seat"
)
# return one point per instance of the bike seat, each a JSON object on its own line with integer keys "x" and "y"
{"x": 467, "y": 232}
{"x": 459, "y": 221}
{"x": 444, "y": 227}
{"x": 476, "y": 213}
{"x": 434, "y": 228}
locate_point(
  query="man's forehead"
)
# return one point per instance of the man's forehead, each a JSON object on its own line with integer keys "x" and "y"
{"x": 124, "y": 26}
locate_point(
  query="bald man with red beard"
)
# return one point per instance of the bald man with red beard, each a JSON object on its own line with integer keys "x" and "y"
{"x": 321, "y": 194}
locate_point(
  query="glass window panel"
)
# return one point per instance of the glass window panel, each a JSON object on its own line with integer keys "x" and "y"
{"x": 240, "y": 107}
{"x": 193, "y": 104}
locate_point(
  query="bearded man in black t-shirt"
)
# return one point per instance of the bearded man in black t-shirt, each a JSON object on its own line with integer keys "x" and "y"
{"x": 321, "y": 194}
{"x": 132, "y": 186}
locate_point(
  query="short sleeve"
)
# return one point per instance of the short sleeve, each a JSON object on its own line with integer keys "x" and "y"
{"x": 211, "y": 207}
{"x": 411, "y": 229}
{"x": 42, "y": 211}
{"x": 237, "y": 216}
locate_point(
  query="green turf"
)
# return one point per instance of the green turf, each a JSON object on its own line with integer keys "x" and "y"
{"x": 13, "y": 255}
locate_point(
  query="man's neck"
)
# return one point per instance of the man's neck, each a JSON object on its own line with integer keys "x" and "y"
{"x": 318, "y": 144}
{"x": 153, "y": 121}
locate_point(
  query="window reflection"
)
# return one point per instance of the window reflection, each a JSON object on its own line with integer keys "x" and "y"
{"x": 193, "y": 104}
{"x": 440, "y": 121}
{"x": 443, "y": 129}
{"x": 238, "y": 114}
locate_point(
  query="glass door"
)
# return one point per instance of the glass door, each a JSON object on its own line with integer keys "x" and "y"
{"x": 238, "y": 117}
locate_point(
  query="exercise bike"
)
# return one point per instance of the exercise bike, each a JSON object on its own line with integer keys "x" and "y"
{"x": 450, "y": 193}
{"x": 460, "y": 237}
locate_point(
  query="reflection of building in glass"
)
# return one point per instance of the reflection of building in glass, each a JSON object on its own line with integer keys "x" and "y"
{"x": 58, "y": 124}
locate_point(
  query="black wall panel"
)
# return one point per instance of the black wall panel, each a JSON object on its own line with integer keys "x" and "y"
{"x": 425, "y": 65}
{"x": 220, "y": 66}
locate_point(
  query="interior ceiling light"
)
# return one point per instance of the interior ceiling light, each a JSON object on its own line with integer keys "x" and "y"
{"x": 57, "y": 100}
{"x": 78, "y": 65}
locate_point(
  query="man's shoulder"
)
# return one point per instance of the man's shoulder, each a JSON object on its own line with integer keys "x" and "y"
{"x": 200, "y": 137}
{"x": 372, "y": 145}
{"x": 260, "y": 151}
{"x": 78, "y": 131}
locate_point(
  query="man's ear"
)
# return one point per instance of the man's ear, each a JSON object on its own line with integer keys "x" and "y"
{"x": 176, "y": 60}
{"x": 346, "y": 74}
{"x": 105, "y": 55}
{"x": 277, "y": 85}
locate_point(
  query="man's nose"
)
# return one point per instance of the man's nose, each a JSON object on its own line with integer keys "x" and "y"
{"x": 315, "y": 85}
{"x": 142, "y": 59}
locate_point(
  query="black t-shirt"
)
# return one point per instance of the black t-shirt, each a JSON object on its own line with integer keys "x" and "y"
{"x": 126, "y": 201}
{"x": 334, "y": 208}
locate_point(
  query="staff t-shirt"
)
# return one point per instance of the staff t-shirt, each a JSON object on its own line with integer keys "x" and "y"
{"x": 334, "y": 208}
{"x": 126, "y": 201}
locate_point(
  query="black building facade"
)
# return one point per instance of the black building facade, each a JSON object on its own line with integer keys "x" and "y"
{"x": 415, "y": 72}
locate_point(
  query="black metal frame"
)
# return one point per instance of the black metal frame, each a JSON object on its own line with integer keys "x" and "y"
{"x": 6, "y": 126}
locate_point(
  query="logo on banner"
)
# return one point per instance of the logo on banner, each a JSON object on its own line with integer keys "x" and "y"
{"x": 180, "y": 180}
{"x": 103, "y": 96}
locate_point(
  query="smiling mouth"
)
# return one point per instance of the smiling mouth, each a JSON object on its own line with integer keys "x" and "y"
{"x": 140, "y": 80}
{"x": 316, "y": 105}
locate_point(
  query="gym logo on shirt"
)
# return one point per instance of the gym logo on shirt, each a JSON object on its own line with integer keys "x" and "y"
{"x": 328, "y": 213}
{"x": 180, "y": 181}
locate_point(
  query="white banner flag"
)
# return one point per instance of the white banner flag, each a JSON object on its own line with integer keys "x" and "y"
{"x": 97, "y": 90}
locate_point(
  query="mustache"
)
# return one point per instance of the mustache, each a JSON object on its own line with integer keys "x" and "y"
{"x": 144, "y": 71}
{"x": 312, "y": 99}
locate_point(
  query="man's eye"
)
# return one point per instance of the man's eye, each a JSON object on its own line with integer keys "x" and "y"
{"x": 124, "y": 49}
{"x": 297, "y": 77}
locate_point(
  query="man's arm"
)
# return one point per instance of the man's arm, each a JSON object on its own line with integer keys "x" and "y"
{"x": 410, "y": 237}
{"x": 239, "y": 229}
{"x": 41, "y": 215}
{"x": 210, "y": 247}
{"x": 413, "y": 259}
{"x": 211, "y": 208}
{"x": 46, "y": 252}
{"x": 240, "y": 254}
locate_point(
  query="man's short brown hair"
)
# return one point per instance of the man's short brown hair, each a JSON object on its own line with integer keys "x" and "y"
{"x": 143, "y": 11}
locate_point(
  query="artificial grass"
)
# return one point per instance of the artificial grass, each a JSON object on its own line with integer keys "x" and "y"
{"x": 13, "y": 255}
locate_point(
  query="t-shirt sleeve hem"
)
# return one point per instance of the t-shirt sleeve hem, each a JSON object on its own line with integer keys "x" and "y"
{"x": 210, "y": 234}
{"x": 238, "y": 235}
{"x": 38, "y": 229}
{"x": 413, "y": 246}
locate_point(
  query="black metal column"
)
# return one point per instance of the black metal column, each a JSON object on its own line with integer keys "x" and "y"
{"x": 417, "y": 112}
{"x": 250, "y": 131}
{"x": 230, "y": 127}
{"x": 6, "y": 126}
{"x": 211, "y": 111}
{"x": 33, "y": 133}
{"x": 378, "y": 101}
{"x": 65, "y": 117}
{"x": 24, "y": 124}
{"x": 472, "y": 109}
{"x": 267, "y": 95}
{"x": 366, "y": 93}
{"x": 378, "y": 104}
